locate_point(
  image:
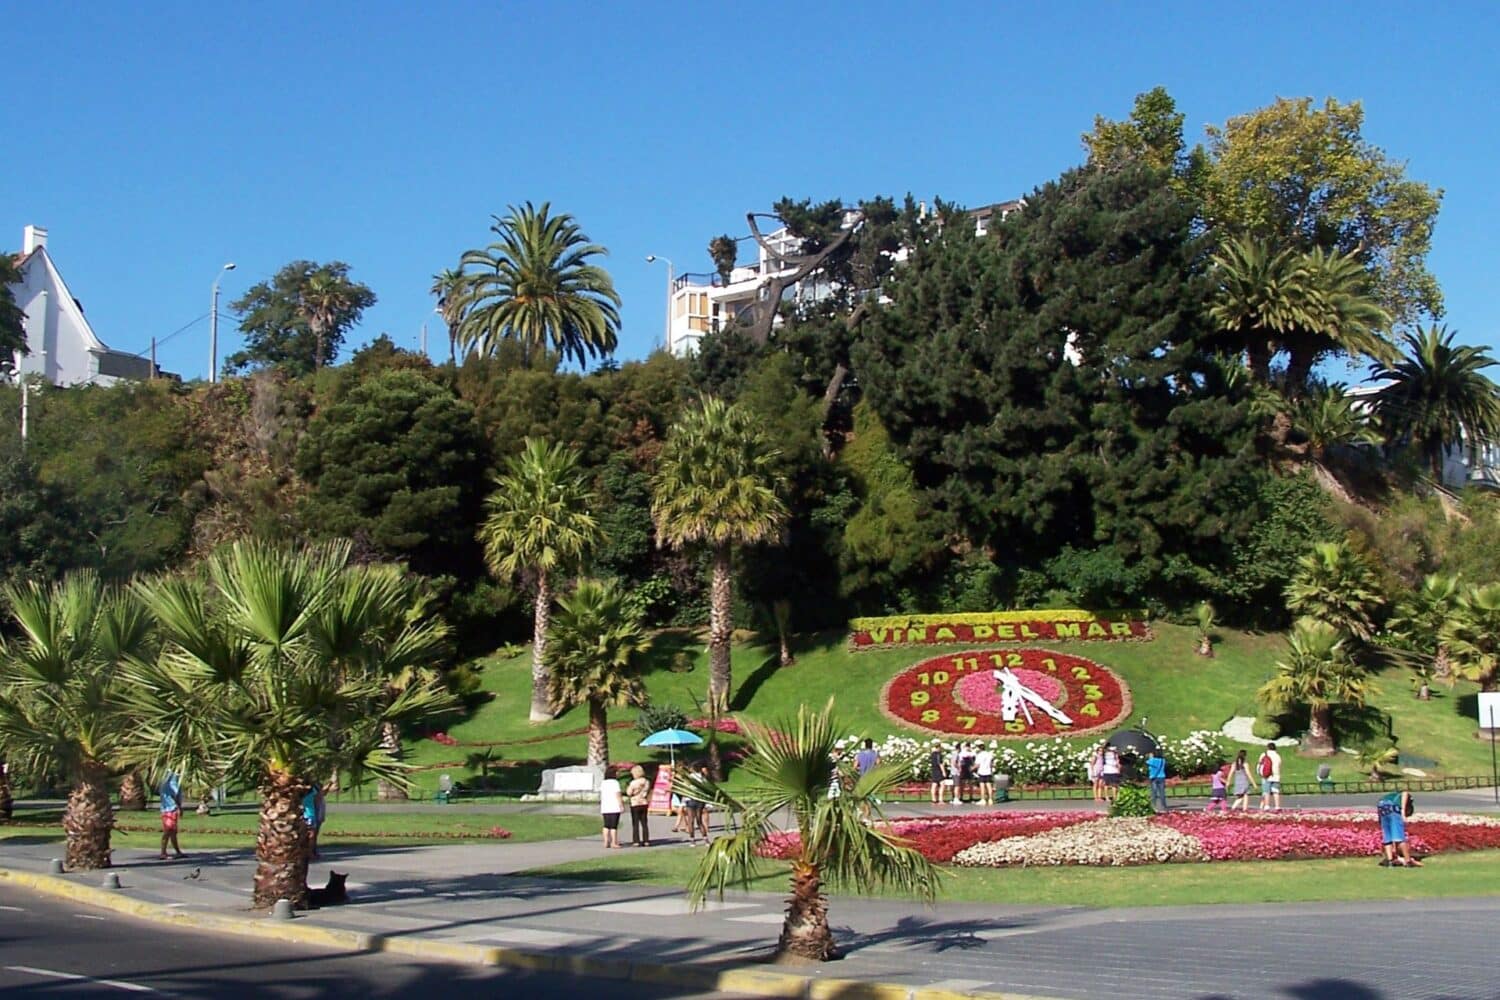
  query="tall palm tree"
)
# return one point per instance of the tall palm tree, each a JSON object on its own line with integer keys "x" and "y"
{"x": 1259, "y": 298}
{"x": 536, "y": 285}
{"x": 1472, "y": 634}
{"x": 1335, "y": 585}
{"x": 539, "y": 522}
{"x": 792, "y": 768}
{"x": 448, "y": 286}
{"x": 596, "y": 658}
{"x": 278, "y": 675}
{"x": 1343, "y": 316}
{"x": 327, "y": 296}
{"x": 1318, "y": 673}
{"x": 1438, "y": 395}
{"x": 1423, "y": 617}
{"x": 715, "y": 486}
{"x": 62, "y": 704}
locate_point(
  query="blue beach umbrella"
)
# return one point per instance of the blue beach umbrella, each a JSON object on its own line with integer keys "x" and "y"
{"x": 672, "y": 739}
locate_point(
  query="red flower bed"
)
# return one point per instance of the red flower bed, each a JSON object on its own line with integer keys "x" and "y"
{"x": 940, "y": 839}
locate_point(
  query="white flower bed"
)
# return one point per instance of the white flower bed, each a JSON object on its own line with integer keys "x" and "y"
{"x": 1057, "y": 761}
{"x": 1109, "y": 842}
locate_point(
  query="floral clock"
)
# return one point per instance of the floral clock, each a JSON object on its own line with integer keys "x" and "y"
{"x": 1016, "y": 694}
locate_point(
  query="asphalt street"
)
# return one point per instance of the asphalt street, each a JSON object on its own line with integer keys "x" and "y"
{"x": 56, "y": 949}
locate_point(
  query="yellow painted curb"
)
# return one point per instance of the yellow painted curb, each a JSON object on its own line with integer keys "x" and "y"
{"x": 745, "y": 981}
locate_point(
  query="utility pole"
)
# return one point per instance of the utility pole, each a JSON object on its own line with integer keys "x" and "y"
{"x": 153, "y": 359}
{"x": 16, "y": 360}
{"x": 213, "y": 327}
{"x": 424, "y": 340}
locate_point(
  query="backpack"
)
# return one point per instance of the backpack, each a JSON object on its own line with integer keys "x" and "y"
{"x": 1265, "y": 765}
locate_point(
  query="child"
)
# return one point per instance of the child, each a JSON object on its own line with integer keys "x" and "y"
{"x": 1218, "y": 789}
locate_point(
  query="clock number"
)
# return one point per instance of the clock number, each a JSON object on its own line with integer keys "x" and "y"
{"x": 931, "y": 715}
{"x": 966, "y": 663}
{"x": 938, "y": 677}
{"x": 1050, "y": 664}
{"x": 1082, "y": 673}
{"x": 1015, "y": 726}
{"x": 968, "y": 720}
{"x": 1090, "y": 710}
{"x": 1092, "y": 692}
{"x": 919, "y": 698}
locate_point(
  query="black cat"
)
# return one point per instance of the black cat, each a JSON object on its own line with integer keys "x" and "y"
{"x": 333, "y": 894}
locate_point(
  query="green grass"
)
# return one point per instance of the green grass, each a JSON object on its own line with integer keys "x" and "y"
{"x": 1465, "y": 874}
{"x": 1177, "y": 689}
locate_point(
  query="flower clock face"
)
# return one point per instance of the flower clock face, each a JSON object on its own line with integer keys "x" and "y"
{"x": 1018, "y": 694}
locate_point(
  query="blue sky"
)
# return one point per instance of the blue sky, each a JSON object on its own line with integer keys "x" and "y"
{"x": 158, "y": 141}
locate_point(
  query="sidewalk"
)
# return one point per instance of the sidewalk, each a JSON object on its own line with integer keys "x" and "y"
{"x": 465, "y": 903}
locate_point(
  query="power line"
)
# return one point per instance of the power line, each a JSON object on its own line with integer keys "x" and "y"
{"x": 181, "y": 329}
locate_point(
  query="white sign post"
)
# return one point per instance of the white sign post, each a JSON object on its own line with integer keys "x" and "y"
{"x": 1489, "y": 718}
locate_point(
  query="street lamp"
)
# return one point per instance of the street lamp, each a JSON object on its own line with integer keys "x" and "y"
{"x": 667, "y": 334}
{"x": 213, "y": 327}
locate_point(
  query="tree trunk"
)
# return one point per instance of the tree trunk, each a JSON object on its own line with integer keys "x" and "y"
{"x": 598, "y": 734}
{"x": 720, "y": 630}
{"x": 88, "y": 819}
{"x": 132, "y": 792}
{"x": 1320, "y": 732}
{"x": 1205, "y": 646}
{"x": 390, "y": 741}
{"x": 1258, "y": 359}
{"x": 281, "y": 843}
{"x": 1442, "y": 667}
{"x": 805, "y": 933}
{"x": 7, "y": 804}
{"x": 541, "y": 700}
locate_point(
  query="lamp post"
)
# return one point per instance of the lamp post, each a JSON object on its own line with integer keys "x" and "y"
{"x": 667, "y": 332}
{"x": 213, "y": 326}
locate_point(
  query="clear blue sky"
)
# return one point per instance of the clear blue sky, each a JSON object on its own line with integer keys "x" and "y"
{"x": 158, "y": 141}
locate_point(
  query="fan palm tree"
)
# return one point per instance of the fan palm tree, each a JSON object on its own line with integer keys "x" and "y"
{"x": 279, "y": 676}
{"x": 327, "y": 296}
{"x": 1437, "y": 395}
{"x": 448, "y": 286}
{"x": 61, "y": 698}
{"x": 535, "y": 285}
{"x": 1335, "y": 585}
{"x": 1424, "y": 615}
{"x": 597, "y": 645}
{"x": 539, "y": 522}
{"x": 1472, "y": 634}
{"x": 1317, "y": 673}
{"x": 715, "y": 486}
{"x": 792, "y": 768}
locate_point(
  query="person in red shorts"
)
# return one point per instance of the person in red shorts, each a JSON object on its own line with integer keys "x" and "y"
{"x": 171, "y": 812}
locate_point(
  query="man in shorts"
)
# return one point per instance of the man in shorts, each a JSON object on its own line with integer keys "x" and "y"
{"x": 171, "y": 813}
{"x": 1270, "y": 773}
{"x": 1393, "y": 809}
{"x": 984, "y": 771}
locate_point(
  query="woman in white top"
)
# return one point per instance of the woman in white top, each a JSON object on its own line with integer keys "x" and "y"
{"x": 1112, "y": 772}
{"x": 609, "y": 810}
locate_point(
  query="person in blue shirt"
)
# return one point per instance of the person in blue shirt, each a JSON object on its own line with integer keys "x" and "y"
{"x": 171, "y": 812}
{"x": 1393, "y": 810}
{"x": 1156, "y": 775}
{"x": 314, "y": 808}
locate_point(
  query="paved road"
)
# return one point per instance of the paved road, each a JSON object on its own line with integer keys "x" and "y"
{"x": 53, "y": 948}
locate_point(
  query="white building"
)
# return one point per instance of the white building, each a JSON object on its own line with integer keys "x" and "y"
{"x": 1468, "y": 463}
{"x": 700, "y": 303}
{"x": 62, "y": 346}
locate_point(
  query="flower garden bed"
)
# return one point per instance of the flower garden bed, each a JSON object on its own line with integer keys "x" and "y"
{"x": 1040, "y": 839}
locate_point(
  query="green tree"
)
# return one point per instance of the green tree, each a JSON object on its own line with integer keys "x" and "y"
{"x": 536, "y": 285}
{"x": 280, "y": 675}
{"x": 1317, "y": 673}
{"x": 1472, "y": 634}
{"x": 540, "y": 522}
{"x": 723, "y": 251}
{"x": 298, "y": 319}
{"x": 791, "y": 769}
{"x": 596, "y": 652}
{"x": 1437, "y": 396}
{"x": 715, "y": 486}
{"x": 62, "y": 698}
{"x": 39, "y": 536}
{"x": 1337, "y": 587}
{"x": 1302, "y": 177}
{"x": 1152, "y": 133}
{"x": 395, "y": 464}
{"x": 1327, "y": 418}
{"x": 1424, "y": 615}
{"x": 448, "y": 287}
{"x": 12, "y": 319}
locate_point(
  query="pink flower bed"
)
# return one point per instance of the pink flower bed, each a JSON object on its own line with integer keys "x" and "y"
{"x": 941, "y": 838}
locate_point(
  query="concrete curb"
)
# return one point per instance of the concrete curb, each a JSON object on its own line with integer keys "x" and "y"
{"x": 746, "y": 981}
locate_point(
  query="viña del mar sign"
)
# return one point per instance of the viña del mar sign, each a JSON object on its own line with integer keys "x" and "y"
{"x": 995, "y": 627}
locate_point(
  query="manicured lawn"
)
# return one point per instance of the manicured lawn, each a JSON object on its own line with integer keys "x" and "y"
{"x": 1460, "y": 874}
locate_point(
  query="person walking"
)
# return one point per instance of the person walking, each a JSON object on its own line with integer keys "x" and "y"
{"x": 984, "y": 772}
{"x": 1269, "y": 767}
{"x": 609, "y": 810}
{"x": 1112, "y": 771}
{"x": 1096, "y": 772}
{"x": 866, "y": 761}
{"x": 1156, "y": 777}
{"x": 1217, "y": 788}
{"x": 639, "y": 794}
{"x": 701, "y": 813}
{"x": 1242, "y": 782}
{"x": 964, "y": 759}
{"x": 314, "y": 809}
{"x": 937, "y": 770}
{"x": 171, "y": 813}
{"x": 1393, "y": 810}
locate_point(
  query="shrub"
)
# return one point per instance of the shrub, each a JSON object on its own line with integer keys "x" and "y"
{"x": 1132, "y": 801}
{"x": 656, "y": 717}
{"x": 1266, "y": 728}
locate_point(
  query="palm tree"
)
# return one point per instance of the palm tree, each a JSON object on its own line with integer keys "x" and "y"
{"x": 1259, "y": 298}
{"x": 597, "y": 645}
{"x": 1438, "y": 396}
{"x": 1328, "y": 417}
{"x": 1472, "y": 634}
{"x": 1343, "y": 317}
{"x": 539, "y": 522}
{"x": 723, "y": 251}
{"x": 61, "y": 698}
{"x": 327, "y": 296}
{"x": 1423, "y": 616}
{"x": 1318, "y": 673}
{"x": 1335, "y": 585}
{"x": 448, "y": 286}
{"x": 279, "y": 676}
{"x": 791, "y": 768}
{"x": 535, "y": 285}
{"x": 715, "y": 486}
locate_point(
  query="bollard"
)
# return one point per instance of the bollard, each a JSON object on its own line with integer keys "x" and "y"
{"x": 282, "y": 910}
{"x": 57, "y": 866}
{"x": 111, "y": 881}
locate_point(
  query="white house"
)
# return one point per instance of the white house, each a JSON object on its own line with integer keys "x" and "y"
{"x": 62, "y": 347}
{"x": 1467, "y": 463}
{"x": 700, "y": 303}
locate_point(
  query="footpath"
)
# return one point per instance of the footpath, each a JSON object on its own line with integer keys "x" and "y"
{"x": 468, "y": 903}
